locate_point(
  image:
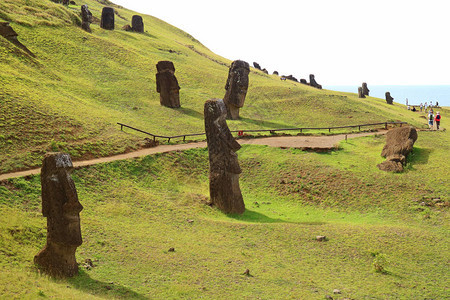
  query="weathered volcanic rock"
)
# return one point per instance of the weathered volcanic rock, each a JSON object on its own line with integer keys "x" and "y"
{"x": 389, "y": 99}
{"x": 256, "y": 65}
{"x": 236, "y": 88}
{"x": 107, "y": 21}
{"x": 137, "y": 24}
{"x": 313, "y": 82}
{"x": 399, "y": 143}
{"x": 86, "y": 18}
{"x": 167, "y": 84}
{"x": 365, "y": 89}
{"x": 224, "y": 167}
{"x": 361, "y": 93}
{"x": 62, "y": 209}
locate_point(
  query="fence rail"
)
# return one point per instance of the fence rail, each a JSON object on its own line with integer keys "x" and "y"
{"x": 264, "y": 130}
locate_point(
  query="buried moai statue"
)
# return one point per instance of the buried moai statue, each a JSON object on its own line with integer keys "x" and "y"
{"x": 224, "y": 167}
{"x": 389, "y": 99}
{"x": 62, "y": 209}
{"x": 313, "y": 82}
{"x": 399, "y": 143}
{"x": 11, "y": 35}
{"x": 86, "y": 18}
{"x": 365, "y": 89}
{"x": 236, "y": 88}
{"x": 137, "y": 24}
{"x": 361, "y": 92}
{"x": 167, "y": 84}
{"x": 107, "y": 20}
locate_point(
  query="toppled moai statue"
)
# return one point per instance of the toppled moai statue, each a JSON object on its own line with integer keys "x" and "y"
{"x": 86, "y": 18}
{"x": 313, "y": 82}
{"x": 11, "y": 35}
{"x": 236, "y": 88}
{"x": 167, "y": 84}
{"x": 256, "y": 65}
{"x": 224, "y": 167}
{"x": 290, "y": 77}
{"x": 399, "y": 143}
{"x": 137, "y": 24}
{"x": 107, "y": 21}
{"x": 265, "y": 71}
{"x": 389, "y": 99}
{"x": 361, "y": 93}
{"x": 365, "y": 89}
{"x": 62, "y": 209}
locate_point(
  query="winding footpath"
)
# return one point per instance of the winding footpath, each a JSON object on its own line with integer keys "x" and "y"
{"x": 305, "y": 142}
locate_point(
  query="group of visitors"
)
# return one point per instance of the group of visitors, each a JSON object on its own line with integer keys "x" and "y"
{"x": 428, "y": 107}
{"x": 434, "y": 118}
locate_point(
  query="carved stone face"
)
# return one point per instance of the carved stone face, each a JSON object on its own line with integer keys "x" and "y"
{"x": 237, "y": 83}
{"x": 60, "y": 200}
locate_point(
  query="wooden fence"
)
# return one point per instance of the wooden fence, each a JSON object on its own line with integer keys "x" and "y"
{"x": 272, "y": 131}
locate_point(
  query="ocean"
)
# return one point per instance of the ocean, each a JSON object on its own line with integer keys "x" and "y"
{"x": 416, "y": 94}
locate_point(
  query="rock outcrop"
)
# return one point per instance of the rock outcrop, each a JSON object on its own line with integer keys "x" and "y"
{"x": 399, "y": 143}
{"x": 236, "y": 88}
{"x": 62, "y": 209}
{"x": 224, "y": 167}
{"x": 107, "y": 20}
{"x": 389, "y": 99}
{"x": 167, "y": 84}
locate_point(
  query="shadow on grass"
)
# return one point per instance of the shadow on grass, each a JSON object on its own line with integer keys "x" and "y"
{"x": 85, "y": 283}
{"x": 191, "y": 112}
{"x": 419, "y": 156}
{"x": 256, "y": 217}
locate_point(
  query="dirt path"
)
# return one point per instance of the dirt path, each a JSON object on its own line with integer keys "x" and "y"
{"x": 308, "y": 142}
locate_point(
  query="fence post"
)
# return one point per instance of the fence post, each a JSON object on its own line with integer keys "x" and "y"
{"x": 184, "y": 138}
{"x": 385, "y": 125}
{"x": 329, "y": 130}
{"x": 359, "y": 127}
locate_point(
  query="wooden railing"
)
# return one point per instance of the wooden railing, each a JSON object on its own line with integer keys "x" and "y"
{"x": 272, "y": 131}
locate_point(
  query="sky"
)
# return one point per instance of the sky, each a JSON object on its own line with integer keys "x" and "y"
{"x": 342, "y": 42}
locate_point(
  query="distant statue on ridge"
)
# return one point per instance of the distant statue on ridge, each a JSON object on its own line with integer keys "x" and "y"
{"x": 361, "y": 93}
{"x": 313, "y": 82}
{"x": 389, "y": 99}
{"x": 167, "y": 84}
{"x": 224, "y": 167}
{"x": 236, "y": 88}
{"x": 62, "y": 209}
{"x": 86, "y": 18}
{"x": 365, "y": 89}
{"x": 137, "y": 24}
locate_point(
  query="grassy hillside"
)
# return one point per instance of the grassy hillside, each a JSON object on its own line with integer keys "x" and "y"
{"x": 135, "y": 210}
{"x": 79, "y": 85}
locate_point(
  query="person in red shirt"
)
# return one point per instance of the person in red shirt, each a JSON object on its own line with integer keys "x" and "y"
{"x": 437, "y": 119}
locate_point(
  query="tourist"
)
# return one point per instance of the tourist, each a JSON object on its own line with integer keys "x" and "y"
{"x": 425, "y": 106}
{"x": 421, "y": 107}
{"x": 407, "y": 102}
{"x": 438, "y": 120}
{"x": 430, "y": 119}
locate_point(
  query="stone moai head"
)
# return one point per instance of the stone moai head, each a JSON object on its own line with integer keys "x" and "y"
{"x": 107, "y": 21}
{"x": 256, "y": 65}
{"x": 62, "y": 209}
{"x": 167, "y": 84}
{"x": 389, "y": 99}
{"x": 224, "y": 167}
{"x": 313, "y": 82}
{"x": 137, "y": 24}
{"x": 86, "y": 18}
{"x": 236, "y": 88}
{"x": 360, "y": 93}
{"x": 365, "y": 89}
{"x": 7, "y": 31}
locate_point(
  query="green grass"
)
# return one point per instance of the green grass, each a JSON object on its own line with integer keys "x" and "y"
{"x": 79, "y": 85}
{"x": 382, "y": 243}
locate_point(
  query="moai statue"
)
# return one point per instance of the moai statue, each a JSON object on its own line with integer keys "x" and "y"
{"x": 303, "y": 81}
{"x": 137, "y": 24}
{"x": 11, "y": 35}
{"x": 62, "y": 209}
{"x": 389, "y": 99}
{"x": 365, "y": 89}
{"x": 313, "y": 82}
{"x": 107, "y": 21}
{"x": 256, "y": 65}
{"x": 167, "y": 84}
{"x": 399, "y": 143}
{"x": 236, "y": 88}
{"x": 361, "y": 93}
{"x": 275, "y": 73}
{"x": 86, "y": 18}
{"x": 224, "y": 167}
